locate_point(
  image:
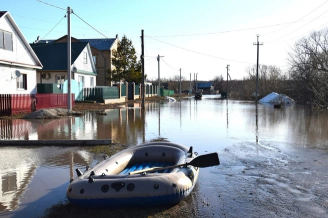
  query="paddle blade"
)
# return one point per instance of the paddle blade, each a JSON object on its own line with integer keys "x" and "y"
{"x": 206, "y": 160}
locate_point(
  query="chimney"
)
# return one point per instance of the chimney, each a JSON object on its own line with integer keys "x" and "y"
{"x": 116, "y": 36}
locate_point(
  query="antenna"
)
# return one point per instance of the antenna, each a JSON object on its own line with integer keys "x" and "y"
{"x": 18, "y": 73}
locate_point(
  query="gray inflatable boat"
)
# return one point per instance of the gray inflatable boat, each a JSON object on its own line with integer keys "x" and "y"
{"x": 138, "y": 176}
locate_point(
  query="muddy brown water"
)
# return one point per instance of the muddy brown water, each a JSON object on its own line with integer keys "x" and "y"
{"x": 274, "y": 162}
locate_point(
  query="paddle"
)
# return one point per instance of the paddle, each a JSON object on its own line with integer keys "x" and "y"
{"x": 206, "y": 160}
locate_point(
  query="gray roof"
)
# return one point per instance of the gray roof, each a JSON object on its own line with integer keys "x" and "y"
{"x": 2, "y": 13}
{"x": 100, "y": 44}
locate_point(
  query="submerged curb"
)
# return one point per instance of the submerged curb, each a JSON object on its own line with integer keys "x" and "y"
{"x": 55, "y": 142}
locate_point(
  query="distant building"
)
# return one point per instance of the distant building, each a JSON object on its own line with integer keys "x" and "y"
{"x": 207, "y": 87}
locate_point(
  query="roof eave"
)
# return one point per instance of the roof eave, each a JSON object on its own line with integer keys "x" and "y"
{"x": 11, "y": 63}
{"x": 36, "y": 59}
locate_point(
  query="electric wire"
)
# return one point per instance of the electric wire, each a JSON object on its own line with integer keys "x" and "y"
{"x": 299, "y": 27}
{"x": 169, "y": 65}
{"x": 51, "y": 5}
{"x": 199, "y": 52}
{"x": 299, "y": 36}
{"x": 298, "y": 19}
{"x": 53, "y": 27}
{"x": 89, "y": 25}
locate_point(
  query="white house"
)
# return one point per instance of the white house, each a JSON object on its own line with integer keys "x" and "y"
{"x": 54, "y": 59}
{"x": 18, "y": 62}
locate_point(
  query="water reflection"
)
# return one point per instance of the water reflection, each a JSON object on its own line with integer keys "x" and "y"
{"x": 206, "y": 125}
{"x": 256, "y": 123}
{"x": 132, "y": 126}
{"x": 19, "y": 166}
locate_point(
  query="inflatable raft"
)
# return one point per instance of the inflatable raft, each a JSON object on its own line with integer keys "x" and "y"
{"x": 113, "y": 183}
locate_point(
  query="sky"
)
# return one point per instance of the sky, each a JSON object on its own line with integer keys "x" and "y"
{"x": 198, "y": 37}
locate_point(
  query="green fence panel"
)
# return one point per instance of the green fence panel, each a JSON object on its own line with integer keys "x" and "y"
{"x": 166, "y": 92}
{"x": 110, "y": 92}
{"x": 123, "y": 90}
{"x": 100, "y": 93}
{"x": 48, "y": 88}
{"x": 137, "y": 89}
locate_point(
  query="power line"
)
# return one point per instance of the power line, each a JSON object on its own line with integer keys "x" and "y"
{"x": 51, "y": 5}
{"x": 199, "y": 52}
{"x": 298, "y": 19}
{"x": 169, "y": 65}
{"x": 319, "y": 27}
{"x": 54, "y": 27}
{"x": 89, "y": 25}
{"x": 229, "y": 31}
{"x": 299, "y": 28}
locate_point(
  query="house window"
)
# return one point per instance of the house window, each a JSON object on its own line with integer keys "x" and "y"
{"x": 6, "y": 40}
{"x": 94, "y": 59}
{"x": 85, "y": 58}
{"x": 81, "y": 80}
{"x": 92, "y": 82}
{"x": 22, "y": 82}
{"x": 60, "y": 79}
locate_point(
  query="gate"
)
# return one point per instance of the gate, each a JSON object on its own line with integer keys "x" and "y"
{"x": 130, "y": 91}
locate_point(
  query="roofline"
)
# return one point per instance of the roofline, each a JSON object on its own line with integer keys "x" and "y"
{"x": 10, "y": 18}
{"x": 90, "y": 56}
{"x": 13, "y": 63}
{"x": 40, "y": 71}
{"x": 116, "y": 39}
{"x": 110, "y": 48}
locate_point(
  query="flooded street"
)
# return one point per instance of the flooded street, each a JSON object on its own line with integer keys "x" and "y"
{"x": 274, "y": 162}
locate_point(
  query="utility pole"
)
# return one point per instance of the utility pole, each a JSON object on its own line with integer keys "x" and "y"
{"x": 143, "y": 70}
{"x": 189, "y": 84}
{"x": 227, "y": 79}
{"x": 159, "y": 77}
{"x": 69, "y": 75}
{"x": 257, "y": 66}
{"x": 196, "y": 83}
{"x": 180, "y": 84}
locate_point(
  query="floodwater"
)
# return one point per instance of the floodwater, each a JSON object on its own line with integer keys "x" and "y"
{"x": 274, "y": 162}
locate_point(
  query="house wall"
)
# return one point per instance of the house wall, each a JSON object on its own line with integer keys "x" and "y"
{"x": 11, "y": 61}
{"x": 20, "y": 53}
{"x": 103, "y": 62}
{"x": 8, "y": 83}
{"x": 87, "y": 79}
{"x": 51, "y": 79}
{"x": 80, "y": 64}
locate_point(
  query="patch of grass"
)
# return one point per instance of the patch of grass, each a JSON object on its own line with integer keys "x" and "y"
{"x": 108, "y": 149}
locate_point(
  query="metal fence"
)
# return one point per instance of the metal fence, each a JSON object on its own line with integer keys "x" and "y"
{"x": 123, "y": 90}
{"x": 166, "y": 92}
{"x": 137, "y": 89}
{"x": 100, "y": 93}
{"x": 52, "y": 100}
{"x": 11, "y": 104}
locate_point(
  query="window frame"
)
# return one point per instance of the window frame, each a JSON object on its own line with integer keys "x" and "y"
{"x": 92, "y": 82}
{"x": 21, "y": 82}
{"x": 5, "y": 45}
{"x": 62, "y": 78}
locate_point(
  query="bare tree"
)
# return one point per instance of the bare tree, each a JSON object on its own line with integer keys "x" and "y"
{"x": 309, "y": 68}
